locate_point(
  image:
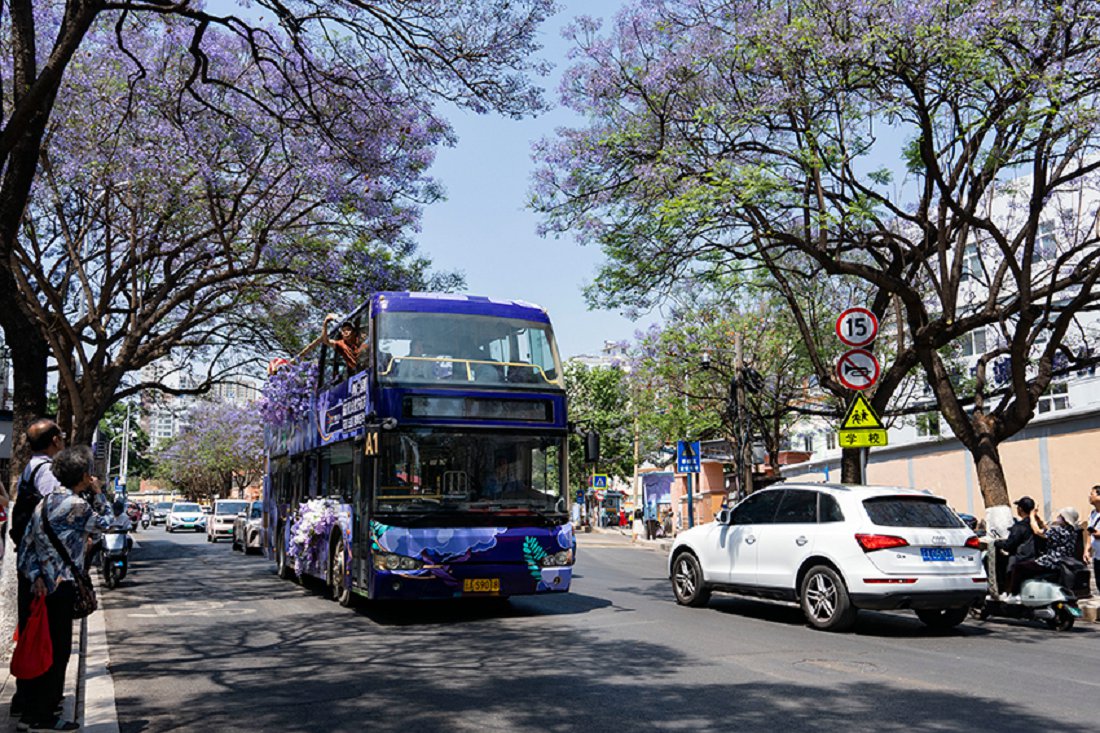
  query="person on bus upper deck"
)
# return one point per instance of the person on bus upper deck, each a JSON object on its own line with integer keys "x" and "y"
{"x": 350, "y": 345}
{"x": 414, "y": 367}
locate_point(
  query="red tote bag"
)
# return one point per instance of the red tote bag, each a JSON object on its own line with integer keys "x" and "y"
{"x": 34, "y": 652}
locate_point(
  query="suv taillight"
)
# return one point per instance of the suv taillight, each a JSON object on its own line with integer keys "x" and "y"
{"x": 973, "y": 541}
{"x": 870, "y": 542}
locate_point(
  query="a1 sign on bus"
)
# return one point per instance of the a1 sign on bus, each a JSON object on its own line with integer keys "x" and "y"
{"x": 857, "y": 327}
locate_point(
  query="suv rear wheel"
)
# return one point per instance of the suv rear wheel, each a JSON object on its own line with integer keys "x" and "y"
{"x": 825, "y": 600}
{"x": 687, "y": 581}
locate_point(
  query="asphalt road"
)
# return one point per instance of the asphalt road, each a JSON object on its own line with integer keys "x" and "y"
{"x": 202, "y": 638}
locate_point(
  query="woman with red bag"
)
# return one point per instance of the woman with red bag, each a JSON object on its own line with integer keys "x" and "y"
{"x": 71, "y": 518}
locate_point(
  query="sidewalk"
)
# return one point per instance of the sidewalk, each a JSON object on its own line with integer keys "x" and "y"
{"x": 89, "y": 689}
{"x": 662, "y": 545}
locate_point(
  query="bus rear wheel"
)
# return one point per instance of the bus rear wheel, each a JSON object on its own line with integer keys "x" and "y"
{"x": 337, "y": 570}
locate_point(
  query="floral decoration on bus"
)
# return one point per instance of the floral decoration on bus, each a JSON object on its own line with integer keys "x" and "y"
{"x": 310, "y": 532}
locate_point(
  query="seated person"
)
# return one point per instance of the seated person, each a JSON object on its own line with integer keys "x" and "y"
{"x": 415, "y": 367}
{"x": 349, "y": 346}
{"x": 1020, "y": 543}
{"x": 500, "y": 483}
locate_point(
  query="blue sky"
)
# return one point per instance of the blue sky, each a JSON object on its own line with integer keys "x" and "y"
{"x": 484, "y": 230}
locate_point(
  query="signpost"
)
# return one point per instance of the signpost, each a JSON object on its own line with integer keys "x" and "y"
{"x": 599, "y": 481}
{"x": 688, "y": 461}
{"x": 857, "y": 369}
{"x": 862, "y": 427}
{"x": 687, "y": 456}
{"x": 856, "y": 327}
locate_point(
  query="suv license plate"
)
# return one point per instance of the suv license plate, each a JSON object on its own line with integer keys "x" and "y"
{"x": 937, "y": 554}
{"x": 481, "y": 585}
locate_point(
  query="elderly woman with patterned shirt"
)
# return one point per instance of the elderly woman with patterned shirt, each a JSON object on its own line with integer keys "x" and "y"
{"x": 1060, "y": 542}
{"x": 74, "y": 511}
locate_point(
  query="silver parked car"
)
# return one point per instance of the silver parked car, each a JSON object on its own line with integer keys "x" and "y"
{"x": 247, "y": 527}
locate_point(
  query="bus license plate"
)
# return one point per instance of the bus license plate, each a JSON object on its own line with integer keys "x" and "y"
{"x": 481, "y": 585}
{"x": 937, "y": 554}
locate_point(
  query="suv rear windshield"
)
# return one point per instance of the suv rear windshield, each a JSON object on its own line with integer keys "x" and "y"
{"x": 911, "y": 511}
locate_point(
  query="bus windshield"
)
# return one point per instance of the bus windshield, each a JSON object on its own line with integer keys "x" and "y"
{"x": 433, "y": 470}
{"x": 429, "y": 348}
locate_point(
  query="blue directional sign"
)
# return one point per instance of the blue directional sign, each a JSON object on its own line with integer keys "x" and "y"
{"x": 580, "y": 496}
{"x": 687, "y": 456}
{"x": 599, "y": 481}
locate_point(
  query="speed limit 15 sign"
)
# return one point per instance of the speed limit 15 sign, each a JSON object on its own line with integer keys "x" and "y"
{"x": 857, "y": 327}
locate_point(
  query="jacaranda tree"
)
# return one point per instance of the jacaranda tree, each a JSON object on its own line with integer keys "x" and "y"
{"x": 923, "y": 149}
{"x": 205, "y": 143}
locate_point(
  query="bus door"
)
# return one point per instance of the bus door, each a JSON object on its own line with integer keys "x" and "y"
{"x": 364, "y": 490}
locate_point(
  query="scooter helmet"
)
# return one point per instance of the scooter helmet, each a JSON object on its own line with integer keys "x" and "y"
{"x": 118, "y": 507}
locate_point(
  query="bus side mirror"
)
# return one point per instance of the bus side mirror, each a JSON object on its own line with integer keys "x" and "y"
{"x": 591, "y": 447}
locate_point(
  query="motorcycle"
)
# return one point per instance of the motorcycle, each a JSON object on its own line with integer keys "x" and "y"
{"x": 145, "y": 520}
{"x": 114, "y": 556}
{"x": 1051, "y": 599}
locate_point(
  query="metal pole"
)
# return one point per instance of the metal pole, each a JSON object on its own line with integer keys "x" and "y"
{"x": 124, "y": 460}
{"x": 691, "y": 502}
{"x": 744, "y": 467}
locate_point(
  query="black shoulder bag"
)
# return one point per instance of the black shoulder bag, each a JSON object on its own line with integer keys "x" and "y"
{"x": 85, "y": 602}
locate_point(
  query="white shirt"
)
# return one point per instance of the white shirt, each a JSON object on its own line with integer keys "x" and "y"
{"x": 44, "y": 480}
{"x": 1094, "y": 523}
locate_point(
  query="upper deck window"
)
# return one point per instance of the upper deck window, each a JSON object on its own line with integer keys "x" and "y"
{"x": 434, "y": 348}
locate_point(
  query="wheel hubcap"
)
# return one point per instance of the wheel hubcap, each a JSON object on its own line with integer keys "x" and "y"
{"x": 685, "y": 579}
{"x": 821, "y": 597}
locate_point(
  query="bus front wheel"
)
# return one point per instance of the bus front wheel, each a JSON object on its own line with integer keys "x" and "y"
{"x": 282, "y": 567}
{"x": 337, "y": 570}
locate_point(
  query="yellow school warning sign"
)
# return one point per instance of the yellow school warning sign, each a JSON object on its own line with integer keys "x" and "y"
{"x": 861, "y": 428}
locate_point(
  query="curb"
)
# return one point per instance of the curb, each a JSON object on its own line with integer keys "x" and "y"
{"x": 661, "y": 545}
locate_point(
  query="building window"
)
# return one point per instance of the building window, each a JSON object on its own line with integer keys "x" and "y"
{"x": 928, "y": 424}
{"x": 1056, "y": 398}
{"x": 830, "y": 440}
{"x": 972, "y": 264}
{"x": 1046, "y": 245}
{"x": 808, "y": 443}
{"x": 973, "y": 343}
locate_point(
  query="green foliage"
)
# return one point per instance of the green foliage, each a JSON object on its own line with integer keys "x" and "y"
{"x": 112, "y": 427}
{"x": 599, "y": 400}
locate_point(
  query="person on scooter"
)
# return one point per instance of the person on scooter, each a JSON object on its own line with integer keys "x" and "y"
{"x": 121, "y": 522}
{"x": 1020, "y": 543}
{"x": 1061, "y": 542}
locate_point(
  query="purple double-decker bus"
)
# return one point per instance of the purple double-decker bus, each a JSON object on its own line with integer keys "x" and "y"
{"x": 432, "y": 461}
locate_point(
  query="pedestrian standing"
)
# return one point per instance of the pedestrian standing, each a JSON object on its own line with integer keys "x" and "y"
{"x": 638, "y": 526}
{"x": 45, "y": 440}
{"x": 1092, "y": 548}
{"x": 650, "y": 521}
{"x": 52, "y": 545}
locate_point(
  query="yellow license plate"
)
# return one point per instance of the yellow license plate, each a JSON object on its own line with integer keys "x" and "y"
{"x": 481, "y": 585}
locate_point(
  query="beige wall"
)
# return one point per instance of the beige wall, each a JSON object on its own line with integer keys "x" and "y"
{"x": 944, "y": 468}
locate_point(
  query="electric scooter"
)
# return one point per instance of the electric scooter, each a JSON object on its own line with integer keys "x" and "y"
{"x": 114, "y": 556}
{"x": 1051, "y": 599}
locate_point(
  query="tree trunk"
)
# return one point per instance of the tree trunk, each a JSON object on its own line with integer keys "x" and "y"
{"x": 991, "y": 475}
{"x": 29, "y": 396}
{"x": 851, "y": 466}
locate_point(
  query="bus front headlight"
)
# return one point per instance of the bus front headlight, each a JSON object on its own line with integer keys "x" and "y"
{"x": 558, "y": 559}
{"x": 391, "y": 561}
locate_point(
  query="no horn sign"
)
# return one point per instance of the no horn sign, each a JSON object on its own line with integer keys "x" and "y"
{"x": 857, "y": 369}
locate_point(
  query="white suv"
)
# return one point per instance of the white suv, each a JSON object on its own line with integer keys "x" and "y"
{"x": 220, "y": 522}
{"x": 835, "y": 549}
